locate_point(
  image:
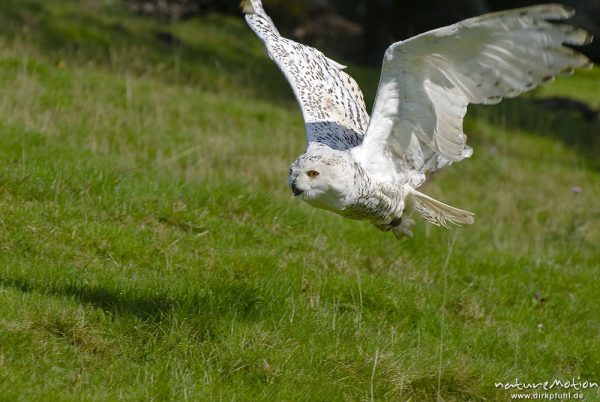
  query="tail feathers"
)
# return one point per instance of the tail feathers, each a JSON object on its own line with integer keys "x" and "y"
{"x": 438, "y": 213}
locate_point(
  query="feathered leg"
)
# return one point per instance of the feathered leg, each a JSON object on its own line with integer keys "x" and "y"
{"x": 404, "y": 227}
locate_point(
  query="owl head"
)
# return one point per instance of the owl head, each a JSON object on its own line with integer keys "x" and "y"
{"x": 321, "y": 179}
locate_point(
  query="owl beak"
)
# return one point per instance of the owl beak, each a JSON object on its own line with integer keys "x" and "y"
{"x": 295, "y": 189}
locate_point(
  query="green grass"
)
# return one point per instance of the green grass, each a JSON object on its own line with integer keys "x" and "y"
{"x": 151, "y": 250}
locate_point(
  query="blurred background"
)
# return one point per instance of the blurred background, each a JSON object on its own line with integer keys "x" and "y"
{"x": 361, "y": 29}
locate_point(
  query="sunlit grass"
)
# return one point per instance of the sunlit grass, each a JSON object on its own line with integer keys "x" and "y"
{"x": 151, "y": 249}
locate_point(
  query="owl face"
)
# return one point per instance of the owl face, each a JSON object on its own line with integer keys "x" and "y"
{"x": 321, "y": 181}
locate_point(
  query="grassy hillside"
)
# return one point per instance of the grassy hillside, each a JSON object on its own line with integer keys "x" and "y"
{"x": 151, "y": 250}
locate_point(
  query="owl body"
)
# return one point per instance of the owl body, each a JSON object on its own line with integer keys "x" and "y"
{"x": 335, "y": 181}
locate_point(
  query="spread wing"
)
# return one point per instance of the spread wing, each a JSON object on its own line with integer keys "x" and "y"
{"x": 428, "y": 81}
{"x": 332, "y": 104}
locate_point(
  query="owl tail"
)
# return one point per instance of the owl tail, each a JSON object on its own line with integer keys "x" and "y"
{"x": 437, "y": 212}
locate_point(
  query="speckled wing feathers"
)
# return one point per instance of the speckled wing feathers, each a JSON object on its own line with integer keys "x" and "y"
{"x": 332, "y": 104}
{"x": 428, "y": 81}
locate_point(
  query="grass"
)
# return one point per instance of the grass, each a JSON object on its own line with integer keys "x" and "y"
{"x": 151, "y": 250}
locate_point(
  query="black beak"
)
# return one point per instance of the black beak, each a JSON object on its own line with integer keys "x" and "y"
{"x": 296, "y": 190}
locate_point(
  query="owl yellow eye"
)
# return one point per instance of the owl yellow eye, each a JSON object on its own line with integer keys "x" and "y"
{"x": 312, "y": 173}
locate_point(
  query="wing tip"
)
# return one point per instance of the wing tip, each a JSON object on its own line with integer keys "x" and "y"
{"x": 249, "y": 6}
{"x": 467, "y": 152}
{"x": 568, "y": 12}
{"x": 558, "y": 11}
{"x": 576, "y": 36}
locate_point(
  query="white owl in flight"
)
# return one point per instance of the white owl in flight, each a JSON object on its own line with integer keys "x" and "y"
{"x": 371, "y": 168}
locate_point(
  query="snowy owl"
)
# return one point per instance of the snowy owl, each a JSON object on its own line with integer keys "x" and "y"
{"x": 370, "y": 168}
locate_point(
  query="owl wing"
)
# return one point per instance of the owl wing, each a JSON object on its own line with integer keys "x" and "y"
{"x": 332, "y": 103}
{"x": 427, "y": 82}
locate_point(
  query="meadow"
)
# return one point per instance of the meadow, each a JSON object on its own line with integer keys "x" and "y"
{"x": 150, "y": 248}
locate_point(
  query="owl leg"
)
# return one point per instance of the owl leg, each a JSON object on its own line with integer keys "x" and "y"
{"x": 400, "y": 227}
{"x": 403, "y": 227}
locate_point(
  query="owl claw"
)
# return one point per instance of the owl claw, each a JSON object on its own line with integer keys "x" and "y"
{"x": 404, "y": 228}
